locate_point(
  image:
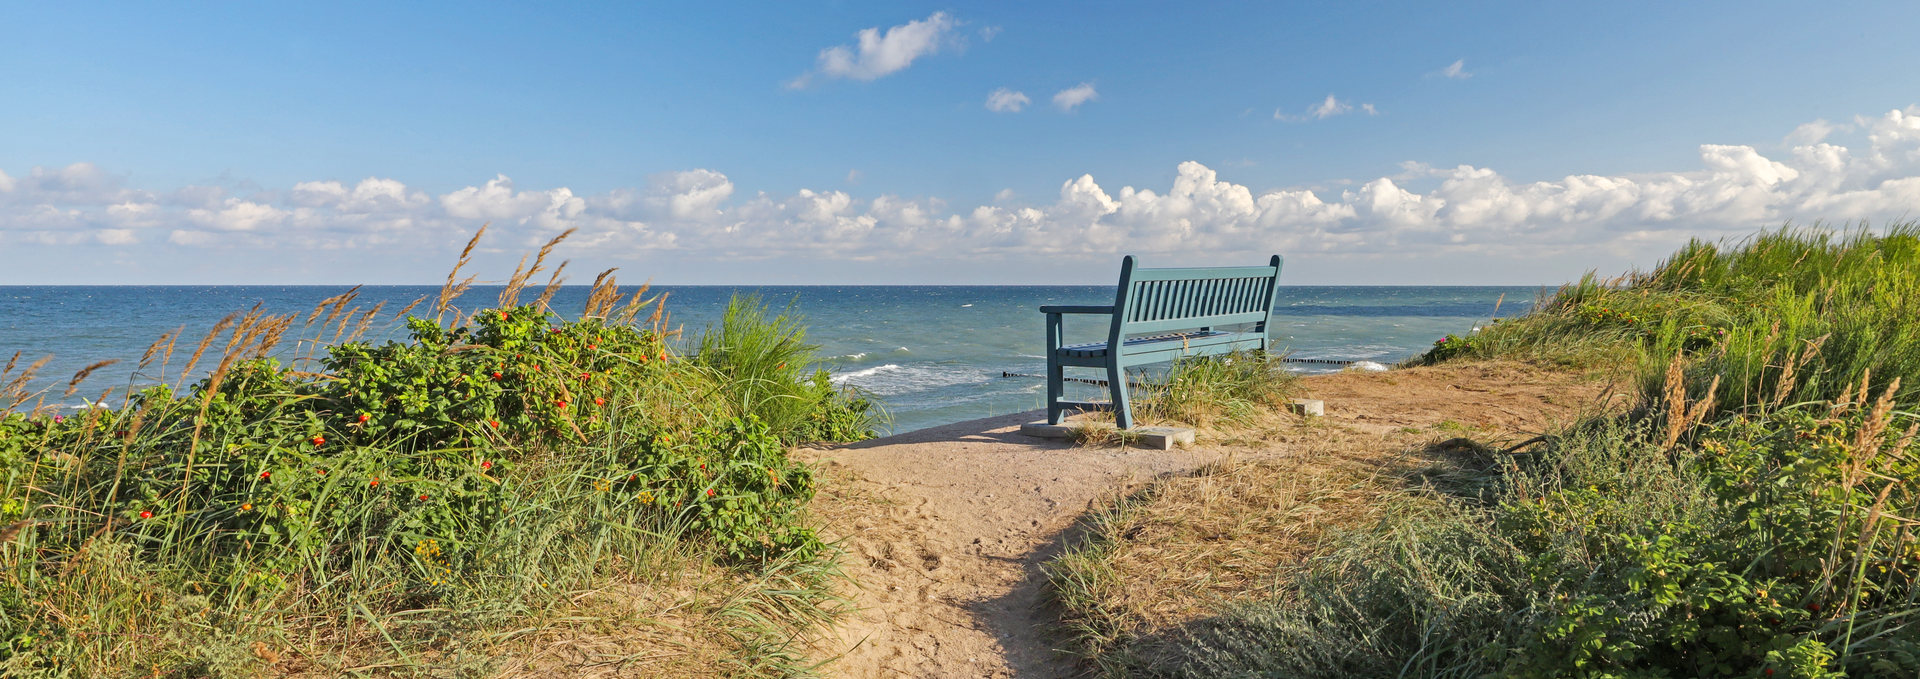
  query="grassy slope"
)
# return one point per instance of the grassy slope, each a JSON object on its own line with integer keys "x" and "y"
{"x": 1740, "y": 522}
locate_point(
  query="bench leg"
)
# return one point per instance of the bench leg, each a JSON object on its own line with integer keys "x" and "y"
{"x": 1117, "y": 387}
{"x": 1056, "y": 389}
{"x": 1056, "y": 373}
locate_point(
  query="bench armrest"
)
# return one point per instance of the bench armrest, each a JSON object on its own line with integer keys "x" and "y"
{"x": 1069, "y": 309}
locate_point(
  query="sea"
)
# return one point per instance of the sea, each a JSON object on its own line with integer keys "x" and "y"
{"x": 929, "y": 355}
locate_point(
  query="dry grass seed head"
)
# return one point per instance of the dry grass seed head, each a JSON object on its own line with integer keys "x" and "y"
{"x": 339, "y": 304}
{"x": 152, "y": 349}
{"x": 1676, "y": 402}
{"x": 408, "y": 308}
{"x": 73, "y": 385}
{"x": 452, "y": 290}
{"x": 635, "y": 303}
{"x": 366, "y": 321}
{"x": 659, "y": 312}
{"x": 553, "y": 284}
{"x": 17, "y": 389}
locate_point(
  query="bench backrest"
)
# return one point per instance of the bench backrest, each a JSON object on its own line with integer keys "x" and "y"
{"x": 1171, "y": 300}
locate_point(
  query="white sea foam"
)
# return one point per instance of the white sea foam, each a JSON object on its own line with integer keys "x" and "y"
{"x": 1369, "y": 366}
{"x": 894, "y": 379}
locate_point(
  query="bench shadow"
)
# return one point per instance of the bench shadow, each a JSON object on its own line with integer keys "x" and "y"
{"x": 1000, "y": 429}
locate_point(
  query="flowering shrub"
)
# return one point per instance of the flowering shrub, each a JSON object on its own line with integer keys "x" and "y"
{"x": 427, "y": 453}
{"x": 1452, "y": 346}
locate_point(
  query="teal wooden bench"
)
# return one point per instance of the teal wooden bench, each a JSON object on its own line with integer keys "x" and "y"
{"x": 1160, "y": 315}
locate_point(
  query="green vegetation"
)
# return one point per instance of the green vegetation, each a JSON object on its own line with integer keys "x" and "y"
{"x": 421, "y": 507}
{"x": 1751, "y": 516}
{"x": 1234, "y": 388}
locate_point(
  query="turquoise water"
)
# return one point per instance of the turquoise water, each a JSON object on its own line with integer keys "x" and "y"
{"x": 931, "y": 354}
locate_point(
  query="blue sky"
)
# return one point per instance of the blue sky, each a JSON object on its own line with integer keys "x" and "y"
{"x": 723, "y": 143}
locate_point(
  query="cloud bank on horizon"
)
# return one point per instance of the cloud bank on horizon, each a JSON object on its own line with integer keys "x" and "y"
{"x": 702, "y": 214}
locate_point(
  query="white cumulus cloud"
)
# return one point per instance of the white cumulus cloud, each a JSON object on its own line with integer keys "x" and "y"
{"x": 700, "y": 215}
{"x": 1327, "y": 108}
{"x": 1004, "y": 100}
{"x": 1456, "y": 70}
{"x": 1072, "y": 97}
{"x": 877, "y": 54}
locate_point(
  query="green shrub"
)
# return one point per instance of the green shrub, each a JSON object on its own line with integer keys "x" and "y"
{"x": 454, "y": 477}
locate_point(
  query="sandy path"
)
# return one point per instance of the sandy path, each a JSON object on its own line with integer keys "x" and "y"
{"x": 946, "y": 530}
{"x": 946, "y": 527}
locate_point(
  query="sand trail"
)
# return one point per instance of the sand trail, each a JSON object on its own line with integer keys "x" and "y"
{"x": 946, "y": 527}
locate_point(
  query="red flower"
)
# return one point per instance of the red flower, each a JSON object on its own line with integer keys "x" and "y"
{"x": 536, "y": 368}
{"x": 376, "y": 481}
{"x": 319, "y": 440}
{"x": 423, "y": 497}
{"x": 599, "y": 401}
{"x": 265, "y": 474}
{"x": 709, "y": 492}
{"x": 486, "y": 464}
{"x": 585, "y": 376}
{"x": 591, "y": 347}
{"x": 364, "y": 417}
{"x": 561, "y": 404}
{"x": 643, "y": 358}
{"x": 496, "y": 374}
{"x": 1813, "y": 607}
{"x": 146, "y": 515}
{"x": 495, "y": 423}
{"x": 663, "y": 356}
{"x": 555, "y": 330}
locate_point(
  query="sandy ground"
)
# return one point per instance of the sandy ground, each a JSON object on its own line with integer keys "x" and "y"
{"x": 947, "y": 527}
